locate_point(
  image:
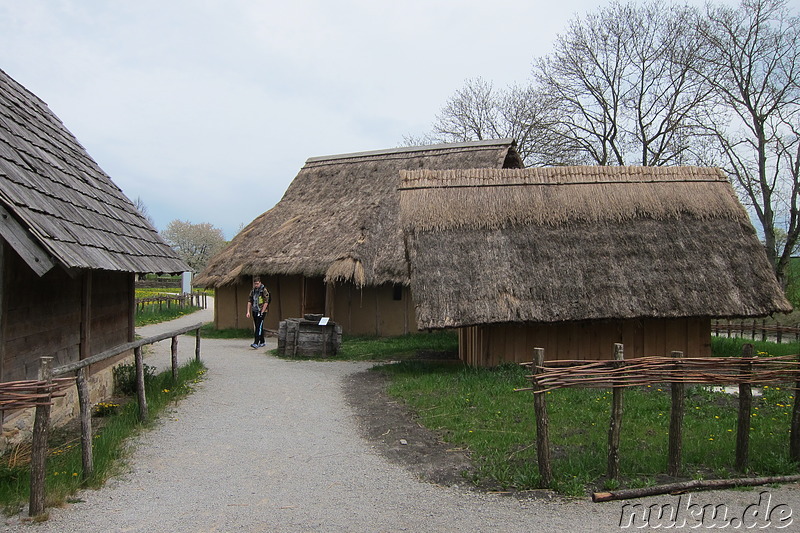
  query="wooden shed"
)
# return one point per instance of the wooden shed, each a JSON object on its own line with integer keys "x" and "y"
{"x": 333, "y": 244}
{"x": 70, "y": 245}
{"x": 574, "y": 259}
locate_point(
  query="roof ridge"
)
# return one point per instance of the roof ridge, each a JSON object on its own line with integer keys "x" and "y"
{"x": 410, "y": 149}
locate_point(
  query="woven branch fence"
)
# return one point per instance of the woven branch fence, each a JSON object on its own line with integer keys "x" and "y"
{"x": 677, "y": 370}
{"x": 31, "y": 393}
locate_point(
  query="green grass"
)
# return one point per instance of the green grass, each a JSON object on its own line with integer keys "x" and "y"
{"x": 478, "y": 410}
{"x": 732, "y": 347}
{"x": 64, "y": 467}
{"x": 153, "y": 315}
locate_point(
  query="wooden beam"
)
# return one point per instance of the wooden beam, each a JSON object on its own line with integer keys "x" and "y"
{"x": 24, "y": 244}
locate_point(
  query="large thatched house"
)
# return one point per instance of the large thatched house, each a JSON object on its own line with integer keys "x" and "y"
{"x": 333, "y": 244}
{"x": 70, "y": 245}
{"x": 575, "y": 259}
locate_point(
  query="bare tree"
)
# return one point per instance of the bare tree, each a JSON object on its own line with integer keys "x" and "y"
{"x": 479, "y": 111}
{"x": 194, "y": 243}
{"x": 628, "y": 84}
{"x": 755, "y": 54}
{"x": 142, "y": 208}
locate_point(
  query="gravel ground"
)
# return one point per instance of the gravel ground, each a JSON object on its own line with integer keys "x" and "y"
{"x": 271, "y": 445}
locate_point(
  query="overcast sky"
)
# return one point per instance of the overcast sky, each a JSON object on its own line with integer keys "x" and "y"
{"x": 207, "y": 109}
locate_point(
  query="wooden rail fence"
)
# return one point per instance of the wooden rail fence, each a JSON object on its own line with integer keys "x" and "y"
{"x": 619, "y": 373}
{"x": 756, "y": 330}
{"x": 40, "y": 393}
{"x": 195, "y": 299}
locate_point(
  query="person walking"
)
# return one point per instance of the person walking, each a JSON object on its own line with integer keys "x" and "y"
{"x": 258, "y": 305}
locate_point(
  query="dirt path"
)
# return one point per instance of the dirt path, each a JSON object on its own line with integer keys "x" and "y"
{"x": 271, "y": 445}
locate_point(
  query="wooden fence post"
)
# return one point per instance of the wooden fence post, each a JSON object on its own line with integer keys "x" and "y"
{"x": 616, "y": 419}
{"x": 794, "y": 436}
{"x": 676, "y": 422}
{"x": 143, "y": 414}
{"x": 745, "y": 407}
{"x": 174, "y": 354}
{"x": 197, "y": 345}
{"x": 87, "y": 453}
{"x": 41, "y": 428}
{"x": 542, "y": 425}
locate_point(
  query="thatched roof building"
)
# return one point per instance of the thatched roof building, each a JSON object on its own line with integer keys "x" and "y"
{"x": 338, "y": 223}
{"x": 581, "y": 244}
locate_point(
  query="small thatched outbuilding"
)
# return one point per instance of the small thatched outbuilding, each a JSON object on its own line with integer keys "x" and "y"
{"x": 574, "y": 259}
{"x": 70, "y": 246}
{"x": 333, "y": 244}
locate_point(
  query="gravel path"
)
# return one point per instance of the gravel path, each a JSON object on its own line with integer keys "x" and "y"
{"x": 271, "y": 445}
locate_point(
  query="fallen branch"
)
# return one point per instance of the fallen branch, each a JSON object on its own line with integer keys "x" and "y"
{"x": 694, "y": 484}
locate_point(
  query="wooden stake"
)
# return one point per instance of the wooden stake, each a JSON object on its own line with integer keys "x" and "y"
{"x": 676, "y": 424}
{"x": 41, "y": 428}
{"x": 87, "y": 453}
{"x": 745, "y": 407}
{"x": 542, "y": 427}
{"x": 174, "y": 353}
{"x": 197, "y": 345}
{"x": 143, "y": 414}
{"x": 616, "y": 421}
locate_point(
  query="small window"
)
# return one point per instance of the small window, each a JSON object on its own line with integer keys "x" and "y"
{"x": 397, "y": 292}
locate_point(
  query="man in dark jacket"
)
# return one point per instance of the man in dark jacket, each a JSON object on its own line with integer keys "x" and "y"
{"x": 258, "y": 305}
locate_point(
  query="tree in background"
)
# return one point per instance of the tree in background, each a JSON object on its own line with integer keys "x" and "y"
{"x": 628, "y": 86}
{"x": 142, "y": 208}
{"x": 194, "y": 243}
{"x": 661, "y": 84}
{"x": 754, "y": 52}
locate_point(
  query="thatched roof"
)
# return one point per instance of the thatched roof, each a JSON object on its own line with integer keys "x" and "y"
{"x": 581, "y": 243}
{"x": 338, "y": 218}
{"x": 58, "y": 206}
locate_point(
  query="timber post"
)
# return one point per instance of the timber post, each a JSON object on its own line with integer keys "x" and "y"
{"x": 197, "y": 345}
{"x": 87, "y": 453}
{"x": 173, "y": 350}
{"x": 41, "y": 429}
{"x": 675, "y": 451}
{"x": 140, "y": 392}
{"x": 745, "y": 408}
{"x": 542, "y": 425}
{"x": 616, "y": 418}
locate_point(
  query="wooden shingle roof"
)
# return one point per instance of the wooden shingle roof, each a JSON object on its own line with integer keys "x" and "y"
{"x": 58, "y": 204}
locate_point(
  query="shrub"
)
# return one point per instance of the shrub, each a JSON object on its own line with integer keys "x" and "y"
{"x": 125, "y": 378}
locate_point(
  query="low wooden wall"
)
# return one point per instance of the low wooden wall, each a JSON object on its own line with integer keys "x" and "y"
{"x": 491, "y": 345}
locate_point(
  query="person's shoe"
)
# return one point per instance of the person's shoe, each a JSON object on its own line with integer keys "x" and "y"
{"x": 254, "y": 345}
{"x": 261, "y": 345}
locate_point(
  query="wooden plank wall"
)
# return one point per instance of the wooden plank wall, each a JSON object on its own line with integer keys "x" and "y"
{"x": 495, "y": 344}
{"x": 43, "y": 316}
{"x": 367, "y": 311}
